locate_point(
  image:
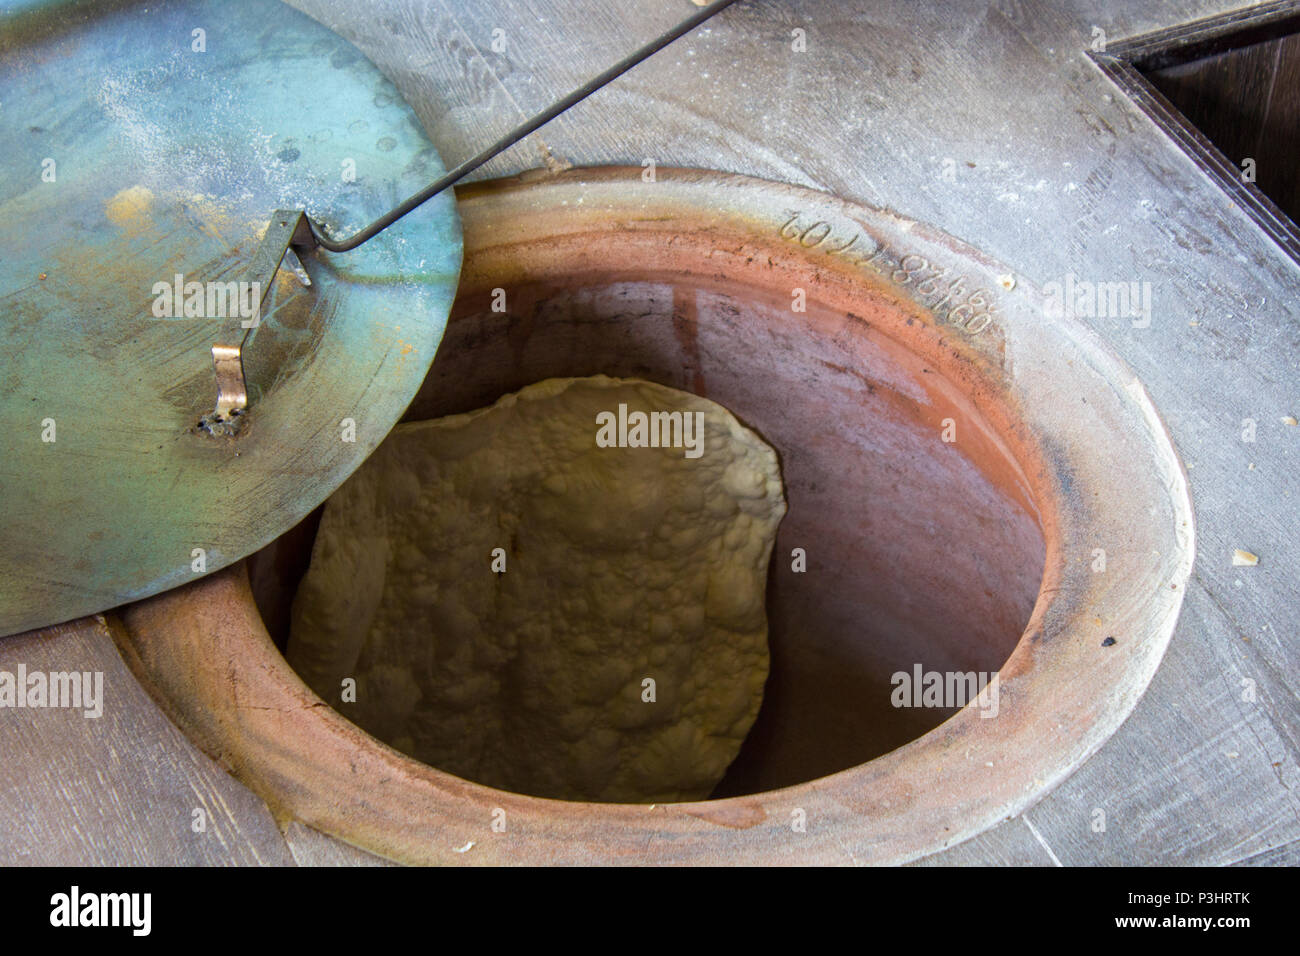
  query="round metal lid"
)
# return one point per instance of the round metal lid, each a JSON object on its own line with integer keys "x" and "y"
{"x": 148, "y": 149}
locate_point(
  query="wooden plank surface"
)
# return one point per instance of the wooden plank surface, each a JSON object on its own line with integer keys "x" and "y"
{"x": 1053, "y": 172}
{"x": 122, "y": 788}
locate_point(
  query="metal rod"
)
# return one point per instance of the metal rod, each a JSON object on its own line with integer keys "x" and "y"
{"x": 515, "y": 135}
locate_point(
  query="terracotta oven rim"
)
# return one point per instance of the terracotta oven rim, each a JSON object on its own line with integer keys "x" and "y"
{"x": 1105, "y": 477}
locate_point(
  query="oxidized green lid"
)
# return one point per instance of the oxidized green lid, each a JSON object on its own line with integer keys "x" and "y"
{"x": 147, "y": 148}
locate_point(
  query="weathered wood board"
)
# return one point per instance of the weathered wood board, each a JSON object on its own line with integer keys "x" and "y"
{"x": 124, "y": 788}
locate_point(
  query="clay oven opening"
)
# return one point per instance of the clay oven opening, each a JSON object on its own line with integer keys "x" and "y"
{"x": 920, "y": 556}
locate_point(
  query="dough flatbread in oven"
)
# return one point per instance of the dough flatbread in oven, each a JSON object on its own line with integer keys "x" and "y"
{"x": 623, "y": 566}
